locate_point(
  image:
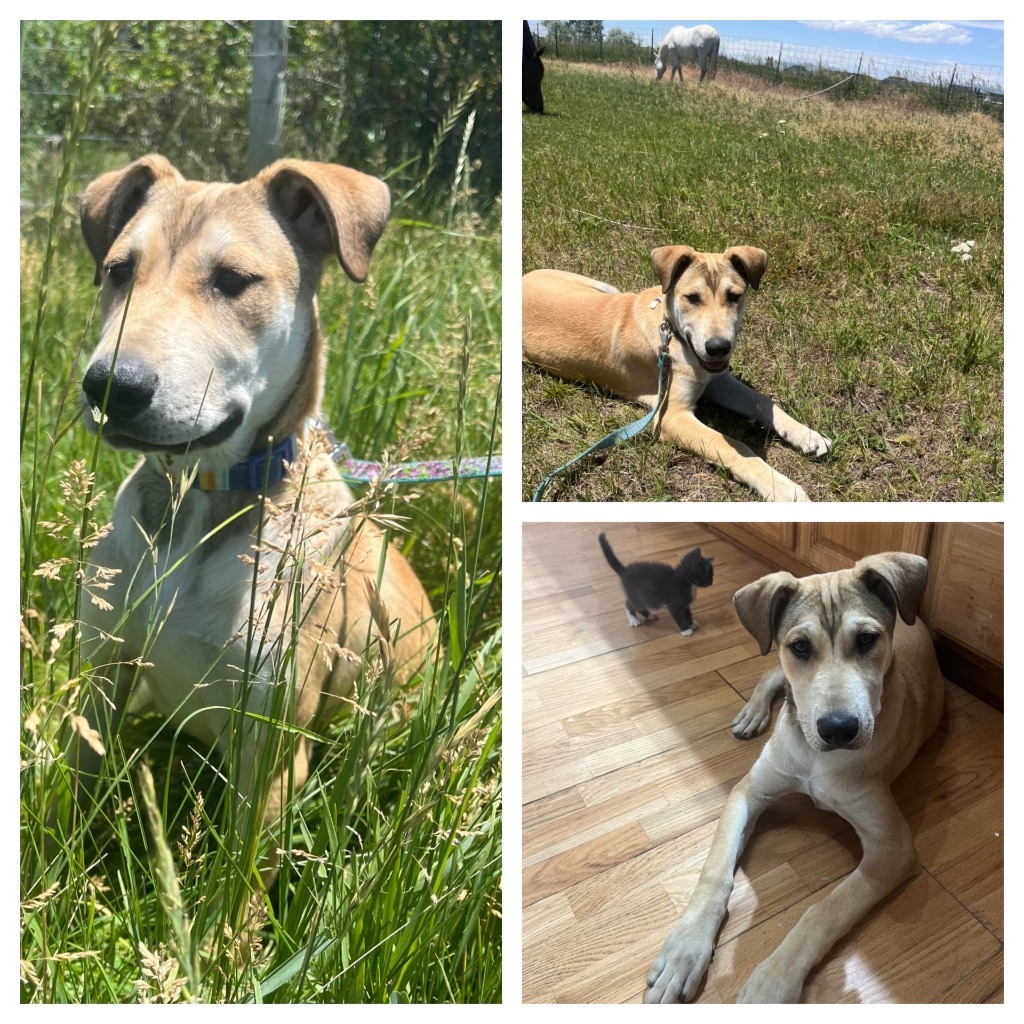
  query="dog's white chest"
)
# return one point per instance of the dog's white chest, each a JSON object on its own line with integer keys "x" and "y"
{"x": 183, "y": 607}
{"x": 820, "y": 793}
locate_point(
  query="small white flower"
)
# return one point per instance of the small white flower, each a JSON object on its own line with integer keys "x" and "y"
{"x": 763, "y": 135}
{"x": 964, "y": 247}
{"x": 966, "y": 257}
{"x": 99, "y": 417}
{"x": 783, "y": 121}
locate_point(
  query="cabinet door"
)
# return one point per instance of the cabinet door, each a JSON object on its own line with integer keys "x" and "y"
{"x": 965, "y": 595}
{"x": 805, "y": 548}
{"x": 827, "y": 547}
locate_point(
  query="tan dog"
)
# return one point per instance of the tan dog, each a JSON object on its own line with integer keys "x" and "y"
{"x": 863, "y": 692}
{"x": 583, "y": 329}
{"x": 218, "y": 357}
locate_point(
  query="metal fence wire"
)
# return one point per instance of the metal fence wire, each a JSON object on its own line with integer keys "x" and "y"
{"x": 951, "y": 87}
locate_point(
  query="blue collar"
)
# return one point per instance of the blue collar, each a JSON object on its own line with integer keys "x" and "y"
{"x": 253, "y": 473}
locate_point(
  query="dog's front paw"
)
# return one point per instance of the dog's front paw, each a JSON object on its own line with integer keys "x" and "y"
{"x": 815, "y": 444}
{"x": 678, "y": 971}
{"x": 688, "y": 632}
{"x": 788, "y": 491}
{"x": 752, "y": 720}
{"x": 768, "y": 984}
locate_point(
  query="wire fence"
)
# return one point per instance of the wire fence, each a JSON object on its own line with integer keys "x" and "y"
{"x": 951, "y": 87}
{"x": 419, "y": 103}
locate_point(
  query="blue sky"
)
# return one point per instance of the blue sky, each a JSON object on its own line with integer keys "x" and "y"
{"x": 939, "y": 42}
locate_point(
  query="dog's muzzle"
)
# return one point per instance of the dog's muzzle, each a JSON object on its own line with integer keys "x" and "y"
{"x": 128, "y": 391}
{"x": 119, "y": 399}
{"x": 838, "y": 731}
{"x": 718, "y": 351}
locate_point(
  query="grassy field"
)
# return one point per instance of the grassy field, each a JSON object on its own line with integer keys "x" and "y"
{"x": 867, "y": 326}
{"x": 391, "y": 886}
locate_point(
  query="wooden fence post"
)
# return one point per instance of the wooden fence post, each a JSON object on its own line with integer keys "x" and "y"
{"x": 856, "y": 78}
{"x": 949, "y": 91}
{"x": 266, "y": 107}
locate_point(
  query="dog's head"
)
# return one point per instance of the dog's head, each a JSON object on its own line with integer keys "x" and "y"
{"x": 834, "y": 634}
{"x": 208, "y": 299}
{"x": 706, "y": 294}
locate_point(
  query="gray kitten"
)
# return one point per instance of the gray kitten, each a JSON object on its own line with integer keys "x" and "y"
{"x": 655, "y": 585}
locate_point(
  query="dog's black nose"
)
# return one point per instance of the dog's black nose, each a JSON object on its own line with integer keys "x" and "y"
{"x": 718, "y": 348}
{"x": 838, "y": 730}
{"x": 132, "y": 387}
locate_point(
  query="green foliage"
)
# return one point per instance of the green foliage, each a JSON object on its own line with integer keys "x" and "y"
{"x": 366, "y": 94}
{"x": 619, "y": 37}
{"x": 575, "y": 31}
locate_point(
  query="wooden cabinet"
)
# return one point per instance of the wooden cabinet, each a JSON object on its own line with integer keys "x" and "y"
{"x": 804, "y": 548}
{"x": 964, "y": 601}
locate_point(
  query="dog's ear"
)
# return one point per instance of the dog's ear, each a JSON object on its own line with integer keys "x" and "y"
{"x": 759, "y": 605}
{"x": 898, "y": 578}
{"x": 108, "y": 203}
{"x": 670, "y": 263}
{"x": 332, "y": 208}
{"x": 748, "y": 262}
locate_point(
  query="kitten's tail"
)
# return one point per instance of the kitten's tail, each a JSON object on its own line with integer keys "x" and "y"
{"x": 610, "y": 555}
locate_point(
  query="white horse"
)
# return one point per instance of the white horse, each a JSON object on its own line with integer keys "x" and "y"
{"x": 699, "y": 43}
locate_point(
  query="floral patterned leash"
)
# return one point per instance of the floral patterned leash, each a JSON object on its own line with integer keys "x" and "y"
{"x": 430, "y": 471}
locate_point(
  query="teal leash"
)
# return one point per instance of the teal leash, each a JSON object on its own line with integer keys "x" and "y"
{"x": 632, "y": 429}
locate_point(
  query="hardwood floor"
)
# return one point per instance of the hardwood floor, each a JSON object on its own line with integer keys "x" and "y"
{"x": 628, "y": 759}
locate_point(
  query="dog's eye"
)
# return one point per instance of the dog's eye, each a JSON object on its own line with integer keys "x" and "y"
{"x": 231, "y": 283}
{"x": 733, "y": 297}
{"x": 866, "y": 641}
{"x": 120, "y": 272}
{"x": 800, "y": 649}
{"x": 693, "y": 298}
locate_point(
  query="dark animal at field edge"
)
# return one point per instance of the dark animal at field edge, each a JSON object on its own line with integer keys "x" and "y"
{"x": 533, "y": 72}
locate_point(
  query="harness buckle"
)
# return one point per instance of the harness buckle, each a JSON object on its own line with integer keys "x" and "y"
{"x": 665, "y": 331}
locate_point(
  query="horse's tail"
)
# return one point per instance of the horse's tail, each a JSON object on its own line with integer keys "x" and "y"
{"x": 713, "y": 66}
{"x": 610, "y": 555}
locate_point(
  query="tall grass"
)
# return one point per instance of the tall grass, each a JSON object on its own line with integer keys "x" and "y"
{"x": 390, "y": 885}
{"x": 867, "y": 326}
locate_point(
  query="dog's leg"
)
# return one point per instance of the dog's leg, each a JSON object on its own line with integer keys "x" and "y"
{"x": 285, "y": 760}
{"x": 92, "y": 726}
{"x": 683, "y": 428}
{"x": 108, "y": 680}
{"x": 889, "y": 859}
{"x": 726, "y": 391}
{"x": 757, "y": 712}
{"x": 684, "y": 958}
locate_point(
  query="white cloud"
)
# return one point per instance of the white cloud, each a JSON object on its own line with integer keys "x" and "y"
{"x": 904, "y": 31}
